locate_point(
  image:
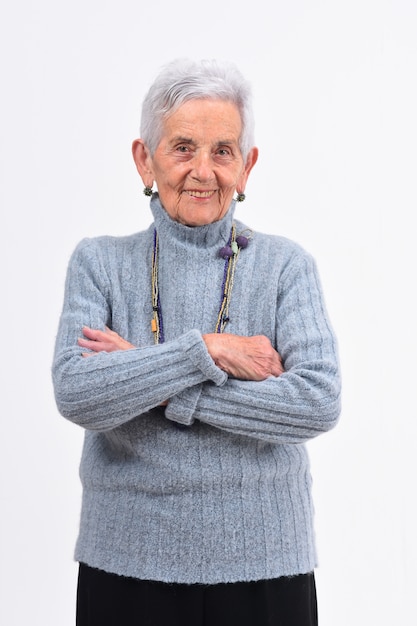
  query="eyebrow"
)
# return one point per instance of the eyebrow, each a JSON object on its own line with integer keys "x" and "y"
{"x": 181, "y": 139}
{"x": 188, "y": 140}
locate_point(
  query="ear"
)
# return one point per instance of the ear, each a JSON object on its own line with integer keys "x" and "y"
{"x": 143, "y": 162}
{"x": 250, "y": 162}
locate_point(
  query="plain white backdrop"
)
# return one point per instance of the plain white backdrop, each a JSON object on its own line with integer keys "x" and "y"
{"x": 335, "y": 98}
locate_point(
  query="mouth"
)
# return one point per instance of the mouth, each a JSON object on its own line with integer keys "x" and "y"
{"x": 194, "y": 193}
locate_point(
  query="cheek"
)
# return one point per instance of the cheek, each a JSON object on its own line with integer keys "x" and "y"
{"x": 232, "y": 178}
{"x": 172, "y": 181}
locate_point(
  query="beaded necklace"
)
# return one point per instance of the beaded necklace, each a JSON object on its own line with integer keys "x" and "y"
{"x": 230, "y": 254}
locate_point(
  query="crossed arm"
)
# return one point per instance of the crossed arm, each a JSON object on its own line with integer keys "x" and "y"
{"x": 244, "y": 358}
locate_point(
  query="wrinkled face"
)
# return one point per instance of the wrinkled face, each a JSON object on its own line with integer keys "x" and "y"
{"x": 198, "y": 165}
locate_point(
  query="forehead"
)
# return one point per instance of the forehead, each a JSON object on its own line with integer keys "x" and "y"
{"x": 211, "y": 119}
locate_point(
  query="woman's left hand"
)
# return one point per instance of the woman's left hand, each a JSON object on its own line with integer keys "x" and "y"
{"x": 102, "y": 341}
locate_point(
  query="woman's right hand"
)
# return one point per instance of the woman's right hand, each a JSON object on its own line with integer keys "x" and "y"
{"x": 102, "y": 341}
{"x": 245, "y": 358}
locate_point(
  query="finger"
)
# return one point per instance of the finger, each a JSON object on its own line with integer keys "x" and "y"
{"x": 94, "y": 334}
{"x": 96, "y": 346}
{"x": 85, "y": 343}
{"x": 277, "y": 370}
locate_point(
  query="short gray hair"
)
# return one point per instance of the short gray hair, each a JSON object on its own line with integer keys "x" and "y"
{"x": 183, "y": 80}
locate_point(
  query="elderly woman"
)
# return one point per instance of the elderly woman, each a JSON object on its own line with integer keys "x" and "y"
{"x": 199, "y": 359}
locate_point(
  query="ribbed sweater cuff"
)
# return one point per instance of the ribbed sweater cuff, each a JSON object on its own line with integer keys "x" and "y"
{"x": 192, "y": 343}
{"x": 181, "y": 407}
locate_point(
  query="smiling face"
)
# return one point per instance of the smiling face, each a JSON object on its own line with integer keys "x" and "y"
{"x": 197, "y": 165}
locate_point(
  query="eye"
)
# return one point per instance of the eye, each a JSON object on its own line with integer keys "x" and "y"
{"x": 224, "y": 151}
{"x": 182, "y": 148}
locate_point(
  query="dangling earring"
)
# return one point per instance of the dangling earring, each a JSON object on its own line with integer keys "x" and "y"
{"x": 240, "y": 197}
{"x": 148, "y": 191}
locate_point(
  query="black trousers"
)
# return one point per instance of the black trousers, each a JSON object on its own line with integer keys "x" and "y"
{"x": 108, "y": 600}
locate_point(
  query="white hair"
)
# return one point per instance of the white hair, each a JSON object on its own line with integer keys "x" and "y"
{"x": 183, "y": 80}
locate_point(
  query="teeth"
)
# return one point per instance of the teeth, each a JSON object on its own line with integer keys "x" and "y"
{"x": 200, "y": 194}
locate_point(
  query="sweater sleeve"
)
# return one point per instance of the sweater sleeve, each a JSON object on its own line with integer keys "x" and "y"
{"x": 104, "y": 391}
{"x": 301, "y": 403}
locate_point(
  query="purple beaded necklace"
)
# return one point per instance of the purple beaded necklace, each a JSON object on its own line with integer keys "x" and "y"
{"x": 230, "y": 254}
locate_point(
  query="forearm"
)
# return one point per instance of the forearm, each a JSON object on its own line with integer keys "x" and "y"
{"x": 105, "y": 391}
{"x": 296, "y": 407}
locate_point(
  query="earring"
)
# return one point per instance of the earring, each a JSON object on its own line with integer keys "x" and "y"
{"x": 240, "y": 197}
{"x": 148, "y": 191}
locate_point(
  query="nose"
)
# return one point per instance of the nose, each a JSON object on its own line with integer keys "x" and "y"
{"x": 202, "y": 166}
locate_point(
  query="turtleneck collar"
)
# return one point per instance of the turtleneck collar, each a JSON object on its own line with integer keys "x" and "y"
{"x": 209, "y": 235}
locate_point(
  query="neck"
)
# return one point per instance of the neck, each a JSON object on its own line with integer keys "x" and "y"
{"x": 213, "y": 235}
{"x": 198, "y": 236}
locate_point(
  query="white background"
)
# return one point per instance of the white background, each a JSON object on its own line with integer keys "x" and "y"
{"x": 335, "y": 101}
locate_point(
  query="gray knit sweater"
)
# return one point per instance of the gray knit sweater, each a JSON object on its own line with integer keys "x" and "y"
{"x": 215, "y": 487}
